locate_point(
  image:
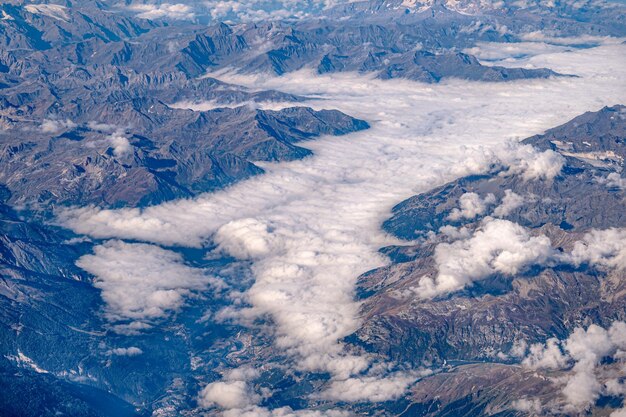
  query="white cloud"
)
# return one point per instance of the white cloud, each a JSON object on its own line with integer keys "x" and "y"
{"x": 498, "y": 246}
{"x": 548, "y": 356}
{"x": 131, "y": 329}
{"x": 227, "y": 394}
{"x": 581, "y": 390}
{"x": 101, "y": 127}
{"x": 141, "y": 282}
{"x": 542, "y": 36}
{"x": 615, "y": 180}
{"x": 247, "y": 239}
{"x": 581, "y": 353}
{"x": 535, "y": 44}
{"x": 615, "y": 387}
{"x": 619, "y": 413}
{"x": 532, "y": 164}
{"x": 120, "y": 144}
{"x": 176, "y": 11}
{"x": 56, "y": 126}
{"x": 471, "y": 206}
{"x": 233, "y": 10}
{"x": 214, "y": 104}
{"x": 495, "y": 51}
{"x": 256, "y": 411}
{"x": 510, "y": 202}
{"x": 518, "y": 350}
{"x": 372, "y": 389}
{"x": 116, "y": 138}
{"x": 130, "y": 351}
{"x": 233, "y": 391}
{"x": 51, "y": 10}
{"x": 455, "y": 233}
{"x": 527, "y": 405}
{"x": 255, "y": 10}
{"x": 600, "y": 247}
{"x": 318, "y": 220}
{"x": 513, "y": 158}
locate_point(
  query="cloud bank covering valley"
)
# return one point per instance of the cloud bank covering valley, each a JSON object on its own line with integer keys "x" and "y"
{"x": 311, "y": 227}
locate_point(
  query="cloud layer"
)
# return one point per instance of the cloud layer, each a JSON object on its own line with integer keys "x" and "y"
{"x": 141, "y": 282}
{"x": 311, "y": 227}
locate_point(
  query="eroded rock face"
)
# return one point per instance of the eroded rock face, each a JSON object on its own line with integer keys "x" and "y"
{"x": 170, "y": 153}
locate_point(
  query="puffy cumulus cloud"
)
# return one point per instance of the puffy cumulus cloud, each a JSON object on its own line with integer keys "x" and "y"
{"x": 471, "y": 205}
{"x": 497, "y": 246}
{"x": 510, "y": 202}
{"x": 255, "y": 10}
{"x": 223, "y": 8}
{"x": 619, "y": 413}
{"x": 580, "y": 354}
{"x": 131, "y": 329}
{"x": 101, "y": 223}
{"x": 615, "y": 180}
{"x": 175, "y": 11}
{"x": 527, "y": 405}
{"x": 227, "y": 394}
{"x": 518, "y": 350}
{"x": 129, "y": 351}
{"x": 141, "y": 282}
{"x": 370, "y": 389}
{"x": 120, "y": 144}
{"x": 513, "y": 158}
{"x": 232, "y": 10}
{"x": 615, "y": 387}
{"x": 115, "y": 138}
{"x": 581, "y": 390}
{"x": 56, "y": 126}
{"x": 480, "y": 27}
{"x": 455, "y": 233}
{"x": 101, "y": 127}
{"x": 256, "y": 411}
{"x": 323, "y": 213}
{"x": 233, "y": 392}
{"x": 531, "y": 163}
{"x": 548, "y": 356}
{"x": 246, "y": 239}
{"x": 587, "y": 348}
{"x": 600, "y": 247}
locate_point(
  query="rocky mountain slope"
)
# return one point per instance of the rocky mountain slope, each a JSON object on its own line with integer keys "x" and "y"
{"x": 484, "y": 321}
